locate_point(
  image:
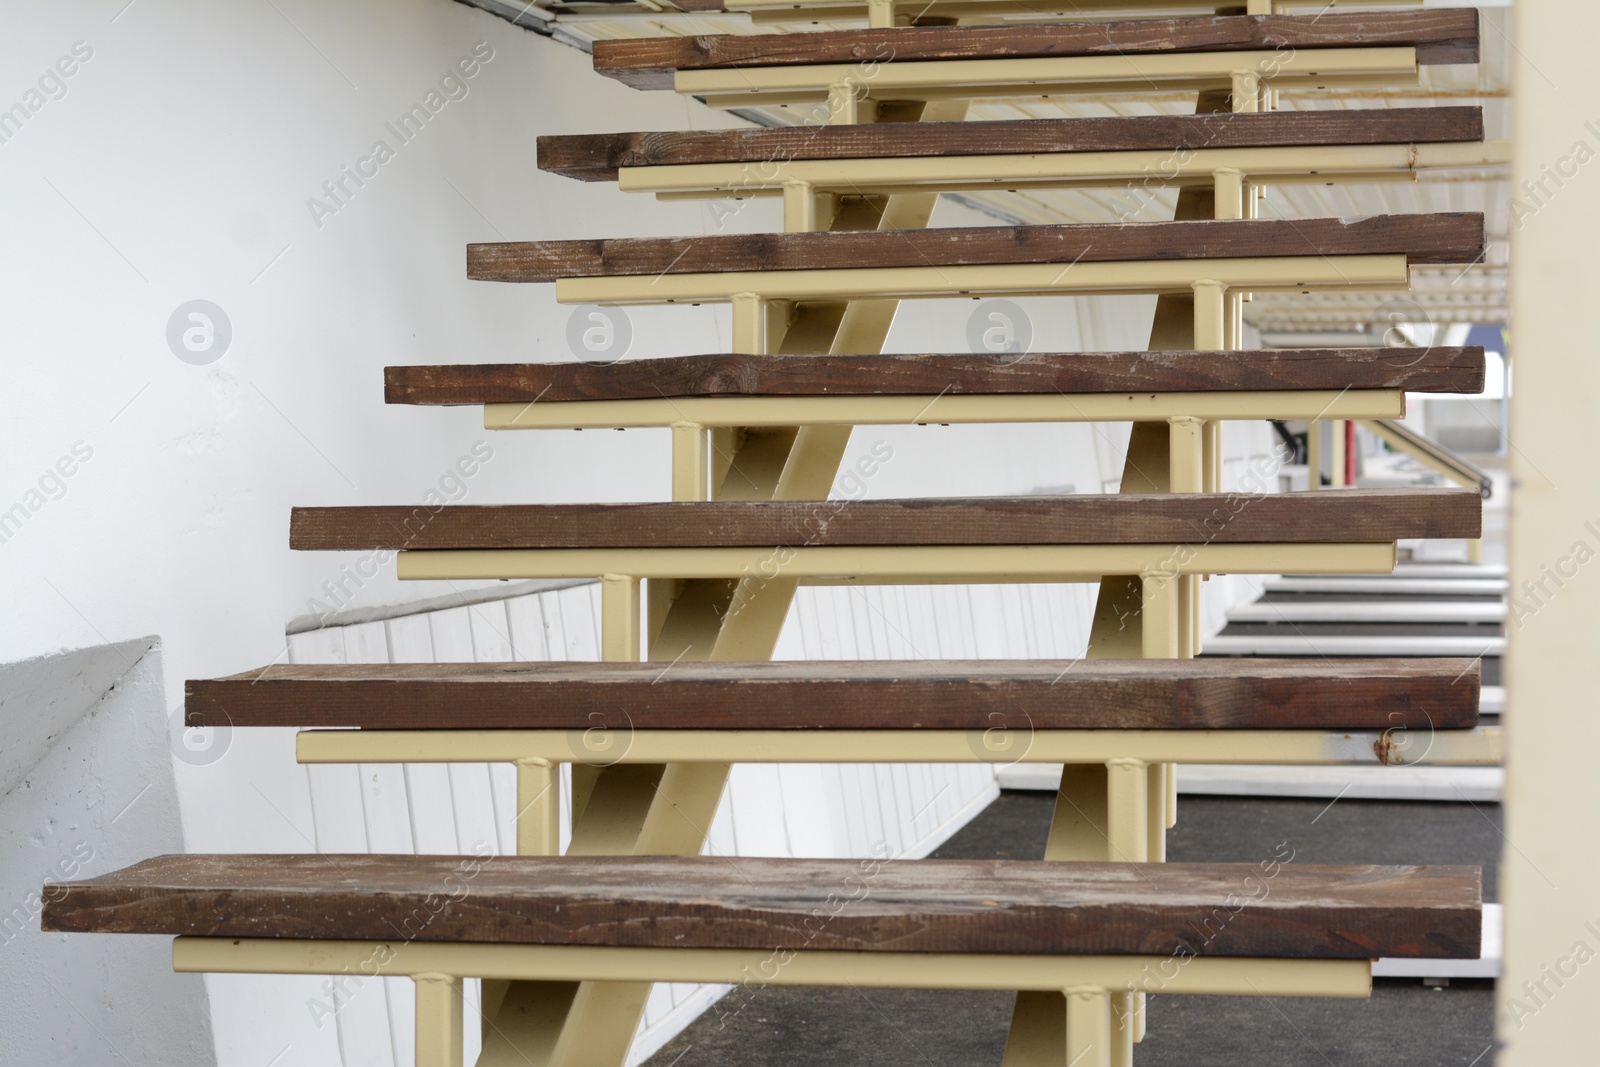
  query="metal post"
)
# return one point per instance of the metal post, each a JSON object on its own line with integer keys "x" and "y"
{"x": 804, "y": 208}
{"x": 1233, "y": 198}
{"x": 1337, "y": 453}
{"x": 619, "y": 618}
{"x": 1210, "y": 314}
{"x": 1211, "y": 482}
{"x": 880, "y": 14}
{"x": 1229, "y": 190}
{"x": 690, "y": 468}
{"x": 1213, "y": 457}
{"x": 439, "y": 1021}
{"x": 847, "y": 104}
{"x": 1127, "y": 1025}
{"x": 749, "y": 323}
{"x": 1252, "y": 205}
{"x": 1160, "y": 614}
{"x": 1161, "y": 779}
{"x": 1186, "y": 451}
{"x": 1088, "y": 1027}
{"x": 1163, "y": 622}
{"x": 1127, "y": 808}
{"x": 538, "y": 807}
{"x": 1351, "y": 456}
{"x": 1314, "y": 453}
{"x": 1188, "y": 472}
{"x": 1246, "y": 91}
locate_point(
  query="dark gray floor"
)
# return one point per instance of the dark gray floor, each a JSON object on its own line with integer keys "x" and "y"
{"x": 1404, "y": 1022}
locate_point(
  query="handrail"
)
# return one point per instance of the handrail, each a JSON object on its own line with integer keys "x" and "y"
{"x": 1433, "y": 455}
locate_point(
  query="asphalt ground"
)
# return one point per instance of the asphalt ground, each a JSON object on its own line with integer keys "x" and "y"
{"x": 1404, "y": 1022}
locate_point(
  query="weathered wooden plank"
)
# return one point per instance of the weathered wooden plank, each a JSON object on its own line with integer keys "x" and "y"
{"x": 1417, "y": 370}
{"x": 1155, "y": 518}
{"x": 597, "y": 156}
{"x": 994, "y": 906}
{"x": 1439, "y": 36}
{"x": 1449, "y": 238}
{"x": 1214, "y": 694}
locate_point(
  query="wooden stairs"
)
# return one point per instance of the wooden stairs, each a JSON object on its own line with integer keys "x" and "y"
{"x": 694, "y": 591}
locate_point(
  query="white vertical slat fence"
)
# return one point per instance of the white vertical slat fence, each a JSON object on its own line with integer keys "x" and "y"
{"x": 812, "y": 810}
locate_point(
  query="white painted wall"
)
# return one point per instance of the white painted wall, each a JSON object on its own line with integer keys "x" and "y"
{"x": 141, "y": 494}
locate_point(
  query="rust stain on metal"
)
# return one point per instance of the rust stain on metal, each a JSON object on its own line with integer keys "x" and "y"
{"x": 1384, "y": 748}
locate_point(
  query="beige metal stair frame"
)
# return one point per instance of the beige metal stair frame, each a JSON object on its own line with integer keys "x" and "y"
{"x": 571, "y": 1006}
{"x": 1227, "y": 167}
{"x": 850, "y": 90}
{"x": 670, "y": 806}
{"x": 1137, "y": 803}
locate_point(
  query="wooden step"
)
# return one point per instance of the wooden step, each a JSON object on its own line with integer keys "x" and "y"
{"x": 1416, "y": 370}
{"x": 946, "y": 906}
{"x": 597, "y": 157}
{"x": 1216, "y": 694}
{"x": 1439, "y": 36}
{"x": 1334, "y": 515}
{"x": 1450, "y": 238}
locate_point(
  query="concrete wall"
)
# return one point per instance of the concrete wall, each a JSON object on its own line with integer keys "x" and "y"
{"x": 149, "y": 470}
{"x": 101, "y": 796}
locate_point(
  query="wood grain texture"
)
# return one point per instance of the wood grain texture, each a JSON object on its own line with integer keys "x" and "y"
{"x": 597, "y": 156}
{"x": 1417, "y": 370}
{"x": 1439, "y": 36}
{"x": 1153, "y": 518}
{"x": 1215, "y": 694}
{"x": 996, "y": 906}
{"x": 1450, "y": 238}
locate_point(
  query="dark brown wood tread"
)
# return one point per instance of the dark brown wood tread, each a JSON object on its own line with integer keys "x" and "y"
{"x": 1439, "y": 36}
{"x": 961, "y": 906}
{"x": 1449, "y": 238}
{"x": 1415, "y": 370}
{"x": 597, "y": 156}
{"x": 1105, "y": 694}
{"x": 1334, "y": 515}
